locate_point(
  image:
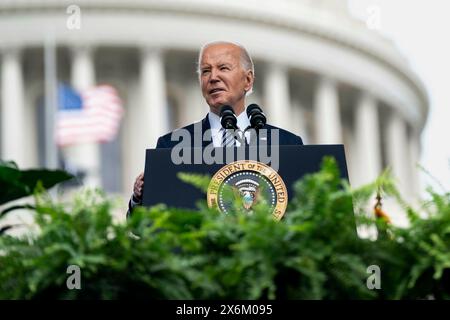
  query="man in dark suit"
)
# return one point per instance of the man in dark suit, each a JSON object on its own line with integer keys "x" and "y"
{"x": 226, "y": 74}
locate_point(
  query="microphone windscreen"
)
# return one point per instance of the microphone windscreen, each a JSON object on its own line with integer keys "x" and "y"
{"x": 225, "y": 109}
{"x": 256, "y": 116}
{"x": 253, "y": 107}
{"x": 228, "y": 119}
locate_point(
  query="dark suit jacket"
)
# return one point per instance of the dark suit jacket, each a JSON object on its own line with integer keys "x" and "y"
{"x": 285, "y": 138}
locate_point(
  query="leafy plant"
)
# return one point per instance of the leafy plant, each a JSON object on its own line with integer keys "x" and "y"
{"x": 314, "y": 252}
{"x": 16, "y": 183}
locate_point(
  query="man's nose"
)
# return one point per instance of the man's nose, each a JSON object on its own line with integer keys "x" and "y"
{"x": 214, "y": 76}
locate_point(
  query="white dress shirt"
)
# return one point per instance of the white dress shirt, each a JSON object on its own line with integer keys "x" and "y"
{"x": 214, "y": 121}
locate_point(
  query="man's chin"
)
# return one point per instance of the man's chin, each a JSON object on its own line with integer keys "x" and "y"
{"x": 218, "y": 104}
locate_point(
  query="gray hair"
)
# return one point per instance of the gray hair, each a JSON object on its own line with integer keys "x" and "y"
{"x": 246, "y": 60}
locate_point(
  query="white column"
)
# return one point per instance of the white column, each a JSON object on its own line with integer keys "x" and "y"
{"x": 397, "y": 146}
{"x": 276, "y": 89}
{"x": 84, "y": 156}
{"x": 13, "y": 108}
{"x": 367, "y": 136}
{"x": 154, "y": 113}
{"x": 327, "y": 122}
{"x": 351, "y": 154}
{"x": 298, "y": 123}
{"x": 414, "y": 153}
{"x": 83, "y": 70}
{"x": 150, "y": 114}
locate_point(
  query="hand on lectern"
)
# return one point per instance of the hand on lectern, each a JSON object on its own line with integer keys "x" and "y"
{"x": 138, "y": 187}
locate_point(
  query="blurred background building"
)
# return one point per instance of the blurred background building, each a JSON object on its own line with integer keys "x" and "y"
{"x": 320, "y": 73}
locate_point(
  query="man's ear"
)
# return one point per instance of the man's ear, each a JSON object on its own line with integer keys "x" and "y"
{"x": 250, "y": 78}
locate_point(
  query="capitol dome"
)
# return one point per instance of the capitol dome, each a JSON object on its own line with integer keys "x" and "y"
{"x": 320, "y": 73}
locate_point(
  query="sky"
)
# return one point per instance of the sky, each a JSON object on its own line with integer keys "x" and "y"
{"x": 421, "y": 31}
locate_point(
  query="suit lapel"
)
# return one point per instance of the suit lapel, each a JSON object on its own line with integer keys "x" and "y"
{"x": 206, "y": 126}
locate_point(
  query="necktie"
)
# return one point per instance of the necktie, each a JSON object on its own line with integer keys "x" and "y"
{"x": 228, "y": 139}
{"x": 232, "y": 138}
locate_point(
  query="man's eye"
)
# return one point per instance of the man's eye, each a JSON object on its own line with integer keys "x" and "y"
{"x": 205, "y": 71}
{"x": 224, "y": 68}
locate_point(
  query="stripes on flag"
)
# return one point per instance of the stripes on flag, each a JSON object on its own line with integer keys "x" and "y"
{"x": 90, "y": 117}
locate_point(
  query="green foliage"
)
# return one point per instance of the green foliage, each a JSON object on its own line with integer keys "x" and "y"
{"x": 199, "y": 181}
{"x": 314, "y": 252}
{"x": 16, "y": 183}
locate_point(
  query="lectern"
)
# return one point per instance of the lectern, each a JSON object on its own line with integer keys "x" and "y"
{"x": 250, "y": 174}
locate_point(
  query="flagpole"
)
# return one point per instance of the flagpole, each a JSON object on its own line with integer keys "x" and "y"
{"x": 51, "y": 99}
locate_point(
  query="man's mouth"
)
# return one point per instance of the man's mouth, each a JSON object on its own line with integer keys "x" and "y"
{"x": 215, "y": 90}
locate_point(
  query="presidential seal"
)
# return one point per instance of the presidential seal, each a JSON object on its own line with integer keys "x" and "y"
{"x": 247, "y": 182}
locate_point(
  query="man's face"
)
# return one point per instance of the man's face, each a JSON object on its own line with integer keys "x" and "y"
{"x": 222, "y": 78}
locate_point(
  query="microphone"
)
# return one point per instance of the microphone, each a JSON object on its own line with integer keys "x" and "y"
{"x": 228, "y": 119}
{"x": 256, "y": 116}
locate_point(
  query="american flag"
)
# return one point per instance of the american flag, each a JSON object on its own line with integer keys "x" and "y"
{"x": 92, "y": 115}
